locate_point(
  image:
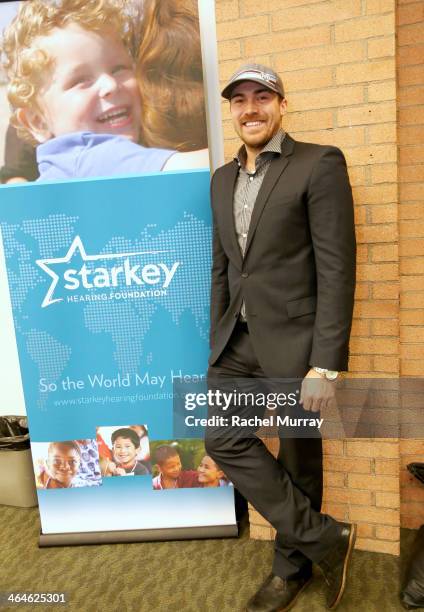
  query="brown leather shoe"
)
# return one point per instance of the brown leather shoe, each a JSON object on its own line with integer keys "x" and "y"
{"x": 277, "y": 594}
{"x": 335, "y": 565}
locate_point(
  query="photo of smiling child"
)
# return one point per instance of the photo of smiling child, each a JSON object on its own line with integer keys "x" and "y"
{"x": 78, "y": 55}
{"x": 181, "y": 464}
{"x": 119, "y": 449}
{"x": 66, "y": 464}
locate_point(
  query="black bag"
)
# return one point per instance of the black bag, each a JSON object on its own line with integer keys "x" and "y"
{"x": 14, "y": 433}
{"x": 417, "y": 470}
{"x": 412, "y": 595}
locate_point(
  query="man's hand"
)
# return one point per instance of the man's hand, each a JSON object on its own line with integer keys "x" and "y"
{"x": 317, "y": 392}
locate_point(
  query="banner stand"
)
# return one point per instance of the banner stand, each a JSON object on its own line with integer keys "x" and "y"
{"x": 137, "y": 535}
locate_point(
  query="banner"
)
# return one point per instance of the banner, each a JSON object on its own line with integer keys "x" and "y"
{"x": 110, "y": 302}
{"x": 107, "y": 248}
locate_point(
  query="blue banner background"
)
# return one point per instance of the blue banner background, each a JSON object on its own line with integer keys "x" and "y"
{"x": 147, "y": 341}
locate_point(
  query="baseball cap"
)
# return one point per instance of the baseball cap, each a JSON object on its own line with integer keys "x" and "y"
{"x": 259, "y": 74}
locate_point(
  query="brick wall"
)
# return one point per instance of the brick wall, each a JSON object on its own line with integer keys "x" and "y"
{"x": 410, "y": 54}
{"x": 338, "y": 62}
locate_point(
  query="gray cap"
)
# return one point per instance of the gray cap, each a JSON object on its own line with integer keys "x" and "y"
{"x": 259, "y": 74}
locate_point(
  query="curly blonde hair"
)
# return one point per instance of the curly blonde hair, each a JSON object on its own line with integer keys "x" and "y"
{"x": 26, "y": 64}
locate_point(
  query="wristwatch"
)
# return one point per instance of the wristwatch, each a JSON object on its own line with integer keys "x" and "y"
{"x": 328, "y": 374}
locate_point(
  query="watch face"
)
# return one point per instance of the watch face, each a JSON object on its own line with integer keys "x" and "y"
{"x": 331, "y": 374}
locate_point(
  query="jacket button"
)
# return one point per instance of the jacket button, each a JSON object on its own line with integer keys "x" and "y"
{"x": 245, "y": 275}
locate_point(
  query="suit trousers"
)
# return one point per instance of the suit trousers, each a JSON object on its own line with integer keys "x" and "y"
{"x": 286, "y": 490}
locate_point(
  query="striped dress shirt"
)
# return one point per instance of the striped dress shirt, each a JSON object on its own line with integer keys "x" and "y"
{"x": 247, "y": 188}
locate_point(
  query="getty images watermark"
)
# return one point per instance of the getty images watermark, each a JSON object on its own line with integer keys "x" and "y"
{"x": 216, "y": 400}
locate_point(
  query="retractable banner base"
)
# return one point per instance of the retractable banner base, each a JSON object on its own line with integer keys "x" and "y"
{"x": 138, "y": 535}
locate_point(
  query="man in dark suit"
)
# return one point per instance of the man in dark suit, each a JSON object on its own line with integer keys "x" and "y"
{"x": 283, "y": 281}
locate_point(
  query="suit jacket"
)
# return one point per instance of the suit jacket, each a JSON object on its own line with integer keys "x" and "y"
{"x": 297, "y": 277}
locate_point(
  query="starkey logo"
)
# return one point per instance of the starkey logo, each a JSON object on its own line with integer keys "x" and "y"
{"x": 79, "y": 272}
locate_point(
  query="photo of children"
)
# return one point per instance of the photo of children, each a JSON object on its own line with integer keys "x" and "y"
{"x": 209, "y": 474}
{"x": 129, "y": 75}
{"x": 181, "y": 464}
{"x": 66, "y": 464}
{"x": 120, "y": 450}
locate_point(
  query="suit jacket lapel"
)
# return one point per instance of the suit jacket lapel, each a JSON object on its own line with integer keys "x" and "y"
{"x": 229, "y": 184}
{"x": 276, "y": 168}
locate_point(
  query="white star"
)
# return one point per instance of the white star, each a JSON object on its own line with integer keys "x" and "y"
{"x": 77, "y": 245}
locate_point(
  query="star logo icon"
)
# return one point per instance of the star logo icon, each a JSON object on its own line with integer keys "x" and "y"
{"x": 76, "y": 248}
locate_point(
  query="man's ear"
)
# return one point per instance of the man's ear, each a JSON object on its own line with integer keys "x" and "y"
{"x": 34, "y": 122}
{"x": 283, "y": 106}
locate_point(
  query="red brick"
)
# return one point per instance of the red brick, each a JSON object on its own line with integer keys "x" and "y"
{"x": 384, "y": 173}
{"x": 412, "y": 283}
{"x": 411, "y": 368}
{"x": 412, "y": 447}
{"x": 333, "y": 97}
{"x": 226, "y": 9}
{"x": 229, "y": 49}
{"x": 372, "y": 448}
{"x": 360, "y": 363}
{"x": 344, "y": 464}
{"x": 371, "y": 154}
{"x": 411, "y": 210}
{"x": 313, "y": 78}
{"x": 411, "y": 75}
{"x": 379, "y": 309}
{"x": 409, "y": 55}
{"x": 306, "y": 121}
{"x": 411, "y": 116}
{"x": 412, "y": 317}
{"x": 338, "y": 10}
{"x": 379, "y": 546}
{"x": 389, "y": 467}
{"x": 410, "y": 13}
{"x": 381, "y": 47}
{"x": 380, "y": 6}
{"x": 348, "y": 496}
{"x": 241, "y": 28}
{"x": 412, "y": 34}
{"x": 330, "y": 55}
{"x": 379, "y": 194}
{"x": 367, "y": 114}
{"x": 388, "y": 365}
{"x": 380, "y": 133}
{"x": 411, "y": 174}
{"x": 361, "y": 327}
{"x": 387, "y": 500}
{"x": 384, "y": 252}
{"x": 387, "y": 232}
{"x": 334, "y": 479}
{"x": 333, "y": 447}
{"x": 412, "y": 247}
{"x": 411, "y": 96}
{"x": 411, "y": 265}
{"x": 411, "y": 155}
{"x": 374, "y": 346}
{"x": 413, "y": 191}
{"x": 380, "y": 91}
{"x": 412, "y": 135}
{"x": 286, "y": 41}
{"x": 387, "y": 533}
{"x": 385, "y": 328}
{"x": 252, "y": 7}
{"x": 381, "y": 516}
{"x": 385, "y": 291}
{"x": 365, "y": 27}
